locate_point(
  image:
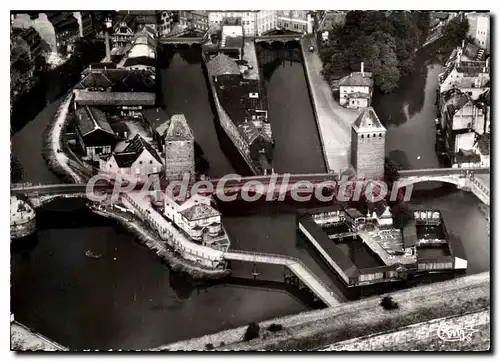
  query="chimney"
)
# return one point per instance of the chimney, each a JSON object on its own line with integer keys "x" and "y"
{"x": 108, "y": 50}
{"x": 363, "y": 69}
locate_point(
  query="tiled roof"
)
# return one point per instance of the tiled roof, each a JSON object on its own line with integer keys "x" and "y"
{"x": 368, "y": 121}
{"x": 138, "y": 144}
{"x": 357, "y": 79}
{"x": 222, "y": 64}
{"x": 199, "y": 211}
{"x": 179, "y": 128}
{"x": 84, "y": 97}
{"x": 117, "y": 79}
{"x": 124, "y": 159}
{"x": 89, "y": 119}
{"x": 234, "y": 42}
{"x": 157, "y": 118}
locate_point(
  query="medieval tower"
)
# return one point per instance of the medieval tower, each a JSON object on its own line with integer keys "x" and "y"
{"x": 368, "y": 145}
{"x": 179, "y": 148}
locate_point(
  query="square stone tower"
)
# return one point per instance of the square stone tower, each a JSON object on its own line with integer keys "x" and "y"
{"x": 368, "y": 145}
{"x": 179, "y": 148}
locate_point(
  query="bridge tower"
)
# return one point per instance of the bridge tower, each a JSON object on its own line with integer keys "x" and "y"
{"x": 368, "y": 145}
{"x": 179, "y": 148}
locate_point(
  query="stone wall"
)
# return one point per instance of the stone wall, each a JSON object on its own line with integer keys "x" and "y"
{"x": 368, "y": 154}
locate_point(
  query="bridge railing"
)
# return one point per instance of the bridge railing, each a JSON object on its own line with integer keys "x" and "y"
{"x": 442, "y": 171}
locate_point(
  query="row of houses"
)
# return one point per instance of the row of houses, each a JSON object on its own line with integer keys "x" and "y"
{"x": 254, "y": 22}
{"x": 464, "y": 102}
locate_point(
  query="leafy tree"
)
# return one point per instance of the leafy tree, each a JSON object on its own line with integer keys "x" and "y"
{"x": 455, "y": 30}
{"x": 391, "y": 170}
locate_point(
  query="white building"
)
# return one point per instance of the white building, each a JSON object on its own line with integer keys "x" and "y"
{"x": 248, "y": 19}
{"x": 137, "y": 161}
{"x": 479, "y": 29}
{"x": 355, "y": 89}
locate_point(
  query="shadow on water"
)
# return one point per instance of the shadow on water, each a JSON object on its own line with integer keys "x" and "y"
{"x": 408, "y": 99}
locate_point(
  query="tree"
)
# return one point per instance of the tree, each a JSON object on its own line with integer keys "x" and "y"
{"x": 391, "y": 170}
{"x": 455, "y": 31}
{"x": 252, "y": 331}
{"x": 401, "y": 215}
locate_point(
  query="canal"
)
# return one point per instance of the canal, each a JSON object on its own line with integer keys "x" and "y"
{"x": 129, "y": 299}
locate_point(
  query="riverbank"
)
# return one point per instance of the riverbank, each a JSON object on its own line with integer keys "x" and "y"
{"x": 333, "y": 121}
{"x": 23, "y": 339}
{"x": 151, "y": 240}
{"x": 53, "y": 148}
{"x": 312, "y": 330}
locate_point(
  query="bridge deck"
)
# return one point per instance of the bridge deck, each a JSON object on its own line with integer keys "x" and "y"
{"x": 295, "y": 265}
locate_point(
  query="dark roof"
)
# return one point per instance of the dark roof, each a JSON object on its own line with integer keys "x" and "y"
{"x": 353, "y": 213}
{"x": 157, "y": 118}
{"x": 357, "y": 79}
{"x": 119, "y": 126}
{"x": 221, "y": 65}
{"x": 474, "y": 52}
{"x": 89, "y": 119}
{"x": 335, "y": 252}
{"x": 119, "y": 80}
{"x": 138, "y": 144}
{"x": 466, "y": 156}
{"x": 368, "y": 120}
{"x": 141, "y": 60}
{"x": 84, "y": 97}
{"x": 410, "y": 234}
{"x": 455, "y": 101}
{"x": 377, "y": 207}
{"x": 125, "y": 160}
{"x": 179, "y": 129}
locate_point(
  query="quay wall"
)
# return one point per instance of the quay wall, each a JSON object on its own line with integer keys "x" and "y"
{"x": 189, "y": 250}
{"x": 310, "y": 87}
{"x": 151, "y": 240}
{"x": 22, "y": 338}
{"x": 51, "y": 145}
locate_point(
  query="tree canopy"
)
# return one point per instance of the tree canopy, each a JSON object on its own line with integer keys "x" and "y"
{"x": 384, "y": 41}
{"x": 455, "y": 31}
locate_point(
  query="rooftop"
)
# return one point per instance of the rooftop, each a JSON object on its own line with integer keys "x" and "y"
{"x": 84, "y": 97}
{"x": 158, "y": 119}
{"x": 222, "y": 65}
{"x": 88, "y": 119}
{"x": 199, "y": 211}
{"x": 357, "y": 79}
{"x": 119, "y": 80}
{"x": 179, "y": 128}
{"x": 138, "y": 144}
{"x": 368, "y": 121}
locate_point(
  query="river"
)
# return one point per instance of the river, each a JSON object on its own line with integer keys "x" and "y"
{"x": 129, "y": 299}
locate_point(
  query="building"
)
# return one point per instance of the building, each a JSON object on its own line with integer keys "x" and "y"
{"x": 32, "y": 39}
{"x": 93, "y": 132}
{"x": 166, "y": 22}
{"x": 142, "y": 52}
{"x": 326, "y": 20}
{"x": 67, "y": 31}
{"x": 355, "y": 89}
{"x": 246, "y": 18}
{"x": 123, "y": 31}
{"x": 87, "y": 25}
{"x": 380, "y": 213}
{"x": 143, "y": 17}
{"x": 293, "y": 20}
{"x": 354, "y": 218}
{"x": 266, "y": 20}
{"x": 137, "y": 160}
{"x": 194, "y": 19}
{"x": 410, "y": 238}
{"x": 179, "y": 148}
{"x": 467, "y": 69}
{"x": 368, "y": 145}
{"x": 158, "y": 122}
{"x": 479, "y": 29}
{"x": 196, "y": 217}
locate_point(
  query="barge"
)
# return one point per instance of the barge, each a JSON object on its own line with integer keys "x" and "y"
{"x": 239, "y": 95}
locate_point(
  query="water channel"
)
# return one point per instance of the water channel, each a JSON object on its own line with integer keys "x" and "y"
{"x": 129, "y": 299}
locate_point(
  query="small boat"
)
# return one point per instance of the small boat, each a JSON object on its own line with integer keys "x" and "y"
{"x": 90, "y": 254}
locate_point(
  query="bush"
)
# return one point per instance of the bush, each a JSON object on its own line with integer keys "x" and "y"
{"x": 275, "y": 327}
{"x": 388, "y": 303}
{"x": 252, "y": 331}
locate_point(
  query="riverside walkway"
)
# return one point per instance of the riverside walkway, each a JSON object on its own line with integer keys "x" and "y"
{"x": 298, "y": 268}
{"x": 334, "y": 121}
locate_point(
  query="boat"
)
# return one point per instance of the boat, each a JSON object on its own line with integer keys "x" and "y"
{"x": 90, "y": 254}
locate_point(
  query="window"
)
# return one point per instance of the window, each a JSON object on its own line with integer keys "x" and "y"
{"x": 150, "y": 162}
{"x": 368, "y": 135}
{"x": 362, "y": 136}
{"x": 380, "y": 135}
{"x": 140, "y": 162}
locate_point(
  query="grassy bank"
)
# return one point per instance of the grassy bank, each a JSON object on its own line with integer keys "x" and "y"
{"x": 312, "y": 330}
